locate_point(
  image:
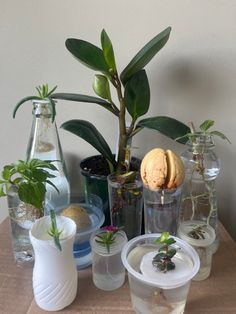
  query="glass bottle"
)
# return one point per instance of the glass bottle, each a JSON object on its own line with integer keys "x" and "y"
{"x": 202, "y": 167}
{"x": 44, "y": 144}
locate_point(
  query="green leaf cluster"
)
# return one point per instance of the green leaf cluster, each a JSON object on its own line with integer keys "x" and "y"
{"x": 43, "y": 94}
{"x": 107, "y": 238}
{"x": 29, "y": 177}
{"x": 162, "y": 260}
{"x": 203, "y": 130}
{"x": 132, "y": 91}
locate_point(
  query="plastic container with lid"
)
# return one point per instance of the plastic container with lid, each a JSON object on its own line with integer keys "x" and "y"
{"x": 107, "y": 268}
{"x": 201, "y": 237}
{"x": 153, "y": 291}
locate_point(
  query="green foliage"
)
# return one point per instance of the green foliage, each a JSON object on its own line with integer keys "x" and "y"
{"x": 131, "y": 88}
{"x": 29, "y": 177}
{"x": 162, "y": 260}
{"x": 43, "y": 94}
{"x": 137, "y": 95}
{"x": 54, "y": 232}
{"x": 204, "y": 130}
{"x": 107, "y": 237}
{"x": 87, "y": 131}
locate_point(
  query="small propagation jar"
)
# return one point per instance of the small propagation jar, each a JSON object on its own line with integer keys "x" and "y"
{"x": 107, "y": 269}
{"x": 201, "y": 237}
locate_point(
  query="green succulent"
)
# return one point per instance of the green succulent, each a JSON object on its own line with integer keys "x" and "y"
{"x": 133, "y": 95}
{"x": 43, "y": 94}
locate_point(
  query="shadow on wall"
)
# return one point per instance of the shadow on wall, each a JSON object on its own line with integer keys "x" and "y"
{"x": 74, "y": 175}
{"x": 190, "y": 85}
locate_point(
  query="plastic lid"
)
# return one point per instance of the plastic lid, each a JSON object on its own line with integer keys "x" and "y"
{"x": 183, "y": 266}
{"x": 207, "y": 231}
{"x": 186, "y": 260}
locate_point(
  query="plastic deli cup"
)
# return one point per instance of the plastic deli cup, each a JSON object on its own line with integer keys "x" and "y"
{"x": 201, "y": 236}
{"x": 107, "y": 268}
{"x": 153, "y": 291}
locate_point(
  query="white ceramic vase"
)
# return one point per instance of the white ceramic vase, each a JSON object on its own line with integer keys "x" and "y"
{"x": 54, "y": 274}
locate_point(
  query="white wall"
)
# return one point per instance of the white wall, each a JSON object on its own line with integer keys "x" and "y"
{"x": 192, "y": 78}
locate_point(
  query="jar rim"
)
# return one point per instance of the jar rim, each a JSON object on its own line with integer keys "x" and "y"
{"x": 201, "y": 139}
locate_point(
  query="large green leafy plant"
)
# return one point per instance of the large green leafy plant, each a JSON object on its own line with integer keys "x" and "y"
{"x": 133, "y": 95}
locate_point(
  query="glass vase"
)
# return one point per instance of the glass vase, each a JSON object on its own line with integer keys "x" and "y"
{"x": 22, "y": 217}
{"x": 202, "y": 167}
{"x": 107, "y": 268}
{"x": 161, "y": 210}
{"x": 44, "y": 144}
{"x": 126, "y": 204}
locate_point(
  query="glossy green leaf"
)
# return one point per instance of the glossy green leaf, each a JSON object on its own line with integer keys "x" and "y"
{"x": 144, "y": 56}
{"x": 167, "y": 126}
{"x": 206, "y": 125}
{"x": 108, "y": 51}
{"x": 101, "y": 86}
{"x": 84, "y": 98}
{"x": 90, "y": 134}
{"x": 88, "y": 54}
{"x": 137, "y": 94}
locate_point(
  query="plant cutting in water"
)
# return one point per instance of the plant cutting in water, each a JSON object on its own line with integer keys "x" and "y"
{"x": 162, "y": 261}
{"x": 197, "y": 232}
{"x": 108, "y": 237}
{"x": 54, "y": 232}
{"x": 29, "y": 179}
{"x": 200, "y": 141}
{"x": 43, "y": 94}
{"x": 133, "y": 97}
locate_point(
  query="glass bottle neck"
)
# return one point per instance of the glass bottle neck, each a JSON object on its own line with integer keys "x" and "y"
{"x": 42, "y": 109}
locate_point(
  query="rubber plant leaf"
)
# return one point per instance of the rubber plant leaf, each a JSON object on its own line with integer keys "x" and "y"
{"x": 167, "y": 126}
{"x": 137, "y": 94}
{"x": 144, "y": 56}
{"x": 88, "y": 54}
{"x": 83, "y": 98}
{"x": 108, "y": 51}
{"x": 101, "y": 86}
{"x": 90, "y": 134}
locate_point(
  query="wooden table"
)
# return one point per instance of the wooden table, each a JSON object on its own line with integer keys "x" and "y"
{"x": 215, "y": 295}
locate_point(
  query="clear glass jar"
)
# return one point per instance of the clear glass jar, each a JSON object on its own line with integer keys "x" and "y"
{"x": 107, "y": 268}
{"x": 126, "y": 204}
{"x": 202, "y": 167}
{"x": 161, "y": 210}
{"x": 44, "y": 144}
{"x": 22, "y": 217}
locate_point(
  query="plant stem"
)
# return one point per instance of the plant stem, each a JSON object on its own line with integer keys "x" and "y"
{"x": 123, "y": 138}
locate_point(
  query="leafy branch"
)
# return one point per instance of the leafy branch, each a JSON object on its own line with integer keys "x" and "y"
{"x": 162, "y": 261}
{"x": 204, "y": 131}
{"x": 29, "y": 177}
{"x": 131, "y": 96}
